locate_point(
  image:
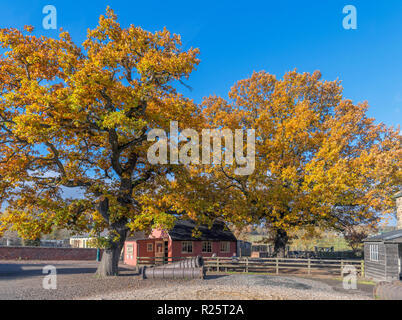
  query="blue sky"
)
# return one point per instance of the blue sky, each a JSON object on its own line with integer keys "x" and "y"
{"x": 236, "y": 38}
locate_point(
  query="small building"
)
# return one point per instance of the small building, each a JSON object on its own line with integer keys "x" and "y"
{"x": 383, "y": 255}
{"x": 179, "y": 242}
{"x": 81, "y": 241}
{"x": 260, "y": 250}
{"x": 383, "y": 252}
{"x": 85, "y": 240}
{"x": 243, "y": 248}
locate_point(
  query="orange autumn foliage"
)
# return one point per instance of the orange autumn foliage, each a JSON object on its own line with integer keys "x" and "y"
{"x": 320, "y": 160}
{"x": 77, "y": 116}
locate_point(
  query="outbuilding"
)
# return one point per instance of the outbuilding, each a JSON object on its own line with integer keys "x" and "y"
{"x": 180, "y": 242}
{"x": 383, "y": 252}
{"x": 383, "y": 256}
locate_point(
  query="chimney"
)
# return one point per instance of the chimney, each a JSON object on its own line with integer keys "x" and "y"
{"x": 398, "y": 199}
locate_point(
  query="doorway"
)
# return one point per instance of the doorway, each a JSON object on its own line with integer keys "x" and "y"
{"x": 159, "y": 252}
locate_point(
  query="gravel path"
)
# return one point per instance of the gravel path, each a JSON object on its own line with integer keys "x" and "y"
{"x": 240, "y": 287}
{"x": 76, "y": 280}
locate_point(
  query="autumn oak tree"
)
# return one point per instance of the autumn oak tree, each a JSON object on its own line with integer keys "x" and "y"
{"x": 77, "y": 117}
{"x": 320, "y": 160}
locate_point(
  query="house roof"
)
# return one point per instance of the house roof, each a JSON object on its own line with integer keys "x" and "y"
{"x": 392, "y": 236}
{"x": 183, "y": 229}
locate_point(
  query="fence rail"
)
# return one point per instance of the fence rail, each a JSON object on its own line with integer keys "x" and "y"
{"x": 267, "y": 265}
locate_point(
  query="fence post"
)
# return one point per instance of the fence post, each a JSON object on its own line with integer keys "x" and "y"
{"x": 309, "y": 266}
{"x": 217, "y": 264}
{"x": 246, "y": 264}
{"x": 277, "y": 266}
{"x": 362, "y": 268}
{"x": 341, "y": 267}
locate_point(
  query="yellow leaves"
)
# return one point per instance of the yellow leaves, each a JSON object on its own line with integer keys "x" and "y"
{"x": 75, "y": 117}
{"x": 314, "y": 150}
{"x": 119, "y": 120}
{"x": 162, "y": 65}
{"x": 24, "y": 223}
{"x": 29, "y": 29}
{"x": 88, "y": 107}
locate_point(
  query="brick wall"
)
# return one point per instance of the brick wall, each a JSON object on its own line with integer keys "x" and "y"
{"x": 43, "y": 253}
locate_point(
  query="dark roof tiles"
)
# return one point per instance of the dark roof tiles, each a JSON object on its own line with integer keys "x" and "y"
{"x": 183, "y": 229}
{"x": 387, "y": 236}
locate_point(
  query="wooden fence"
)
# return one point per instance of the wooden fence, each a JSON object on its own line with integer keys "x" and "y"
{"x": 269, "y": 265}
{"x": 283, "y": 265}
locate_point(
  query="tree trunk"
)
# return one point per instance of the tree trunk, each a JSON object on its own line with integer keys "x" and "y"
{"x": 280, "y": 241}
{"x": 109, "y": 265}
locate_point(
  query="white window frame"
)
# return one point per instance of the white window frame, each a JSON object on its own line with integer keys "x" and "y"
{"x": 225, "y": 246}
{"x": 185, "y": 246}
{"x": 129, "y": 250}
{"x": 374, "y": 252}
{"x": 208, "y": 246}
{"x": 150, "y": 245}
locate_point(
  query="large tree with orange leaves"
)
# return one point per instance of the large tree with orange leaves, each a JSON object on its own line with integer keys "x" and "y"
{"x": 320, "y": 160}
{"x": 77, "y": 117}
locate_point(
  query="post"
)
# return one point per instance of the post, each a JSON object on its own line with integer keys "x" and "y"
{"x": 341, "y": 267}
{"x": 362, "y": 269}
{"x": 246, "y": 265}
{"x": 217, "y": 264}
{"x": 98, "y": 250}
{"x": 277, "y": 266}
{"x": 309, "y": 266}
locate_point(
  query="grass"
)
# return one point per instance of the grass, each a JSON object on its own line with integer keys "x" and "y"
{"x": 360, "y": 281}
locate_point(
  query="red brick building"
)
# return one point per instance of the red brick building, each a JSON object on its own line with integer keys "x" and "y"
{"x": 179, "y": 242}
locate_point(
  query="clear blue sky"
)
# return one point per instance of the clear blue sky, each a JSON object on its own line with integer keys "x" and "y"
{"x": 236, "y": 38}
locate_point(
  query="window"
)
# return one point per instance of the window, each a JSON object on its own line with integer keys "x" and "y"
{"x": 206, "y": 246}
{"x": 187, "y": 247}
{"x": 225, "y": 246}
{"x": 373, "y": 252}
{"x": 150, "y": 247}
{"x": 129, "y": 251}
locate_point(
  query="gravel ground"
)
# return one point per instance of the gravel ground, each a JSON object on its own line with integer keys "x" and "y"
{"x": 241, "y": 287}
{"x": 76, "y": 280}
